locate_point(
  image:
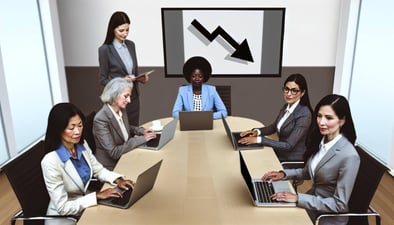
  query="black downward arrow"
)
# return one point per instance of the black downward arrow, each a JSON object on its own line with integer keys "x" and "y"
{"x": 242, "y": 50}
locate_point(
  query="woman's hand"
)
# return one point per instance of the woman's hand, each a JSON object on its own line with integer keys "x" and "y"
{"x": 124, "y": 184}
{"x": 149, "y": 134}
{"x": 109, "y": 193}
{"x": 143, "y": 79}
{"x": 130, "y": 78}
{"x": 285, "y": 197}
{"x": 252, "y": 133}
{"x": 273, "y": 176}
{"x": 248, "y": 140}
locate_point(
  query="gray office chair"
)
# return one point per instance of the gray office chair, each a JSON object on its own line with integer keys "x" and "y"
{"x": 26, "y": 179}
{"x": 367, "y": 181}
{"x": 224, "y": 92}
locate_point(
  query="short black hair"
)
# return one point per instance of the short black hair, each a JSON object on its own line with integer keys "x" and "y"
{"x": 197, "y": 62}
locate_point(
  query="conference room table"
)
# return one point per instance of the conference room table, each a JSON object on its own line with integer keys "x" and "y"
{"x": 199, "y": 182}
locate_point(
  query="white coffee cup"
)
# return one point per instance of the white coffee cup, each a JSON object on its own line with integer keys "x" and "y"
{"x": 156, "y": 124}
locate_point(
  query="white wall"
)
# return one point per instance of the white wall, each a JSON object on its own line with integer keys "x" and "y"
{"x": 311, "y": 28}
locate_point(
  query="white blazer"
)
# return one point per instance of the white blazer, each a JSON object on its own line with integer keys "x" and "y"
{"x": 68, "y": 195}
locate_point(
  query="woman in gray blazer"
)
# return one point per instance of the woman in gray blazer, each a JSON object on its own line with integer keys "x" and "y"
{"x": 291, "y": 125}
{"x": 117, "y": 58}
{"x": 69, "y": 165}
{"x": 332, "y": 163}
{"x": 112, "y": 134}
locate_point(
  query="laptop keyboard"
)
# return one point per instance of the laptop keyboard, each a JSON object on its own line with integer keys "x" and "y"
{"x": 264, "y": 191}
{"x": 126, "y": 196}
{"x": 154, "y": 142}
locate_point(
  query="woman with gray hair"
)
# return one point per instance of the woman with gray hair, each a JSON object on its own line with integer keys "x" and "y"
{"x": 112, "y": 133}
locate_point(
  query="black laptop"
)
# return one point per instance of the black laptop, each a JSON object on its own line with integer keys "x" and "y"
{"x": 195, "y": 120}
{"x": 235, "y": 136}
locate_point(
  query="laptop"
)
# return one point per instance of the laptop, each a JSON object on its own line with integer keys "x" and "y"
{"x": 235, "y": 136}
{"x": 261, "y": 191}
{"x": 196, "y": 120}
{"x": 161, "y": 138}
{"x": 143, "y": 185}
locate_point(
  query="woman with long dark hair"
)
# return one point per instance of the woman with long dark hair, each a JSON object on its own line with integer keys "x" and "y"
{"x": 291, "y": 125}
{"x": 332, "y": 163}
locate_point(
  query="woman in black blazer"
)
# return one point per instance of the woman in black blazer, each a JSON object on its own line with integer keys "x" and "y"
{"x": 291, "y": 125}
{"x": 117, "y": 58}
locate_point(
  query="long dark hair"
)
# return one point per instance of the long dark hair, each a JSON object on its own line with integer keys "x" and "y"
{"x": 341, "y": 107}
{"x": 58, "y": 119}
{"x": 118, "y": 18}
{"x": 300, "y": 80}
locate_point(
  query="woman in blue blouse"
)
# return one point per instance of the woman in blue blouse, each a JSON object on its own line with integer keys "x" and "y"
{"x": 198, "y": 96}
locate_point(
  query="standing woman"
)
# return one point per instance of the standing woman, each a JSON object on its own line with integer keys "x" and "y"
{"x": 69, "y": 165}
{"x": 291, "y": 125}
{"x": 332, "y": 163}
{"x": 117, "y": 58}
{"x": 198, "y": 96}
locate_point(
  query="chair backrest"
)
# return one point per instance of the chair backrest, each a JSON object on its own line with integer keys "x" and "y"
{"x": 367, "y": 181}
{"x": 224, "y": 92}
{"x": 25, "y": 176}
{"x": 88, "y": 131}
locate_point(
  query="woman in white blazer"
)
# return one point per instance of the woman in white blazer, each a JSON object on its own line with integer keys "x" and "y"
{"x": 198, "y": 96}
{"x": 332, "y": 163}
{"x": 69, "y": 165}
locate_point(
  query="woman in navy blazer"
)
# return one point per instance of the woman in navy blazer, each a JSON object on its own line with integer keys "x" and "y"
{"x": 332, "y": 163}
{"x": 69, "y": 165}
{"x": 197, "y": 96}
{"x": 117, "y": 58}
{"x": 291, "y": 125}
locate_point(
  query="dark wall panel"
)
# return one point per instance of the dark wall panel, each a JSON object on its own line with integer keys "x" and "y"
{"x": 257, "y": 98}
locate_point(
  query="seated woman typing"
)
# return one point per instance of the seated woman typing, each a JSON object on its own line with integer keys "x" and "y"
{"x": 112, "y": 133}
{"x": 69, "y": 165}
{"x": 198, "y": 96}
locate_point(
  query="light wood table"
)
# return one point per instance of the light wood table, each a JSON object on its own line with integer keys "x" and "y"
{"x": 199, "y": 183}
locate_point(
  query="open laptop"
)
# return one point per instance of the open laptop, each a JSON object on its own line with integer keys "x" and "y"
{"x": 196, "y": 120}
{"x": 161, "y": 138}
{"x": 235, "y": 136}
{"x": 143, "y": 185}
{"x": 260, "y": 190}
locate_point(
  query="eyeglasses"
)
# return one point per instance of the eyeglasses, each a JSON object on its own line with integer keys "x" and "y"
{"x": 293, "y": 91}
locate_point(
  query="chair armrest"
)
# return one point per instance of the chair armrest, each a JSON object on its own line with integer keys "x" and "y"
{"x": 19, "y": 217}
{"x": 372, "y": 212}
{"x": 292, "y": 164}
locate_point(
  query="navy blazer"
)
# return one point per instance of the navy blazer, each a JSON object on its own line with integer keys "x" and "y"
{"x": 291, "y": 145}
{"x": 332, "y": 184}
{"x": 210, "y": 101}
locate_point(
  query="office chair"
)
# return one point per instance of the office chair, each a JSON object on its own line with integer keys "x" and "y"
{"x": 87, "y": 131}
{"x": 95, "y": 184}
{"x": 294, "y": 165}
{"x": 224, "y": 92}
{"x": 367, "y": 181}
{"x": 26, "y": 179}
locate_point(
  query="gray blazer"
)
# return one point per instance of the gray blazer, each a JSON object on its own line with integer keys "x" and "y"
{"x": 292, "y": 135}
{"x": 110, "y": 143}
{"x": 332, "y": 183}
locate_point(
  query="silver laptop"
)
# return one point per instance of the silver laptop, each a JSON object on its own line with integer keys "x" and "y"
{"x": 235, "y": 136}
{"x": 161, "y": 138}
{"x": 143, "y": 185}
{"x": 260, "y": 190}
{"x": 196, "y": 120}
